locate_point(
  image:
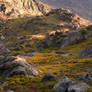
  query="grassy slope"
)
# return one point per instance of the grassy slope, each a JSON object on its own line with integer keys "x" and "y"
{"x": 47, "y": 60}
{"x": 50, "y": 62}
{"x": 15, "y": 28}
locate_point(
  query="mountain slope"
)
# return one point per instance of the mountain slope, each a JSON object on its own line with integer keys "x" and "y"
{"x": 23, "y": 7}
{"x": 81, "y": 7}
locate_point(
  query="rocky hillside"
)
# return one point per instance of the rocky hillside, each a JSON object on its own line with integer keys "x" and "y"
{"x": 38, "y": 51}
{"x": 14, "y": 8}
{"x": 81, "y": 7}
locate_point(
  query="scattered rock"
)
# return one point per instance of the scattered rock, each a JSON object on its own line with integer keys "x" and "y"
{"x": 86, "y": 52}
{"x": 63, "y": 84}
{"x": 61, "y": 52}
{"x": 53, "y": 39}
{"x": 67, "y": 54}
{"x": 3, "y": 50}
{"x": 85, "y": 77}
{"x": 66, "y": 15}
{"x": 48, "y": 77}
{"x": 67, "y": 85}
{"x": 78, "y": 87}
{"x": 17, "y": 48}
{"x": 61, "y": 39}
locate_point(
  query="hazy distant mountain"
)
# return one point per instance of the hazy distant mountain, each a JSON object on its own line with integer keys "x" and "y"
{"x": 81, "y": 7}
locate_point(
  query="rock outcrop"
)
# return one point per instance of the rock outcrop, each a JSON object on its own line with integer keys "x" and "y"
{"x": 73, "y": 20}
{"x": 86, "y": 52}
{"x": 13, "y": 65}
{"x": 52, "y": 40}
{"x": 85, "y": 77}
{"x": 15, "y": 8}
{"x": 10, "y": 66}
{"x": 3, "y": 50}
{"x": 61, "y": 39}
{"x": 73, "y": 38}
{"x": 67, "y": 85}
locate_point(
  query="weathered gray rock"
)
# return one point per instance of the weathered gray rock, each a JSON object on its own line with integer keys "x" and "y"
{"x": 67, "y": 85}
{"x": 86, "y": 52}
{"x": 10, "y": 66}
{"x": 52, "y": 40}
{"x": 63, "y": 84}
{"x": 85, "y": 77}
{"x": 3, "y": 50}
{"x": 78, "y": 87}
{"x": 61, "y": 39}
{"x": 73, "y": 38}
{"x": 48, "y": 77}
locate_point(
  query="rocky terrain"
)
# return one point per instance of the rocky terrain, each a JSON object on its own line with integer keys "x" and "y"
{"x": 44, "y": 49}
{"x": 20, "y": 8}
{"x": 83, "y": 8}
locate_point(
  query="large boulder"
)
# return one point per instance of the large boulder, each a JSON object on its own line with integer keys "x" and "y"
{"x": 73, "y": 38}
{"x": 61, "y": 39}
{"x": 67, "y": 85}
{"x": 53, "y": 39}
{"x": 78, "y": 87}
{"x": 48, "y": 77}
{"x": 10, "y": 66}
{"x": 63, "y": 84}
{"x": 86, "y": 52}
{"x": 85, "y": 77}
